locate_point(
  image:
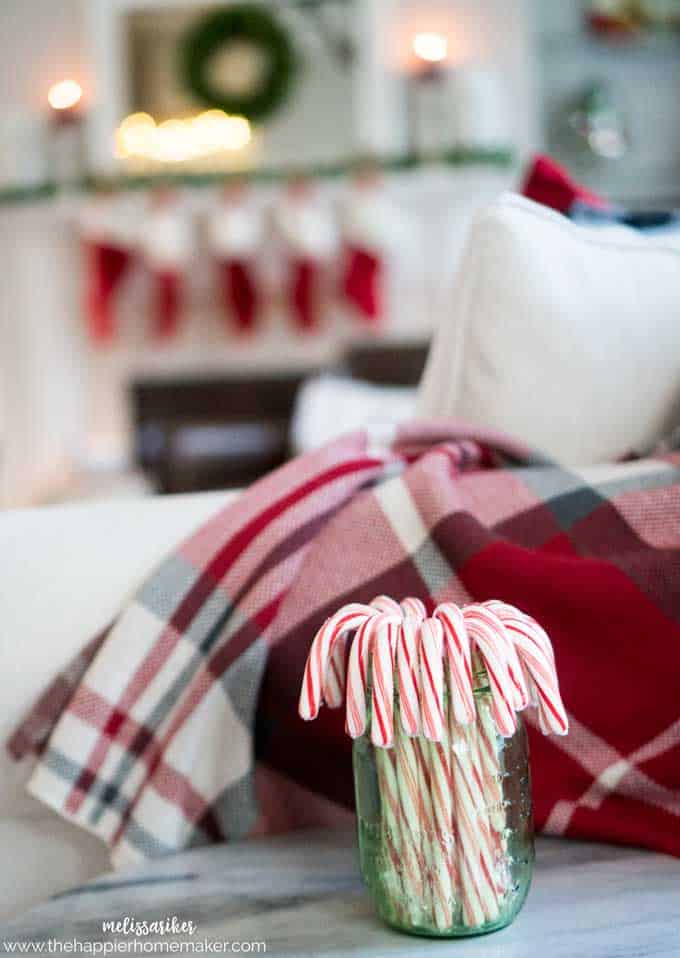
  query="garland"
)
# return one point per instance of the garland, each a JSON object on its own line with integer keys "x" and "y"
{"x": 459, "y": 157}
{"x": 249, "y": 24}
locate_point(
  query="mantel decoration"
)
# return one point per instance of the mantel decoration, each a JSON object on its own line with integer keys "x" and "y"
{"x": 620, "y": 20}
{"x": 239, "y": 59}
{"x": 441, "y": 763}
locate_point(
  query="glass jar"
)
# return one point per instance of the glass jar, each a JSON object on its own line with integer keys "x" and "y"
{"x": 446, "y": 829}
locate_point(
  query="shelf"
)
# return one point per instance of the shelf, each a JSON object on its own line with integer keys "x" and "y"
{"x": 458, "y": 157}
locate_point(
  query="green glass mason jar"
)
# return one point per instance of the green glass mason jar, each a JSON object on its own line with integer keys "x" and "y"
{"x": 446, "y": 828}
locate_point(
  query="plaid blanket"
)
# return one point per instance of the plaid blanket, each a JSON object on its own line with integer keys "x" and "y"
{"x": 148, "y": 740}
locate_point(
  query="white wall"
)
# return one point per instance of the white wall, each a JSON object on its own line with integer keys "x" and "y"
{"x": 483, "y": 35}
{"x": 40, "y": 41}
{"x": 44, "y": 40}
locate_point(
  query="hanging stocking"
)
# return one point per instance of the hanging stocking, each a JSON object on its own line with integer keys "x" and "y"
{"x": 235, "y": 236}
{"x": 239, "y": 293}
{"x": 168, "y": 304}
{"x": 106, "y": 267}
{"x": 373, "y": 231}
{"x": 107, "y": 248}
{"x": 166, "y": 244}
{"x": 362, "y": 283}
{"x": 310, "y": 241}
{"x": 303, "y": 293}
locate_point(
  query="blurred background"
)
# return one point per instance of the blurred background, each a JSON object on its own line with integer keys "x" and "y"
{"x": 228, "y": 229}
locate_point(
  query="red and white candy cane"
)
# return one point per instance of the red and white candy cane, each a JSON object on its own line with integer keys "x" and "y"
{"x": 336, "y": 675}
{"x": 457, "y": 646}
{"x": 505, "y": 613}
{"x": 475, "y": 843}
{"x": 383, "y": 648}
{"x": 442, "y": 849}
{"x": 515, "y": 671}
{"x": 413, "y": 609}
{"x": 432, "y": 679}
{"x": 407, "y": 767}
{"x": 357, "y": 673}
{"x": 408, "y": 672}
{"x": 483, "y": 629}
{"x": 383, "y": 603}
{"x": 390, "y": 815}
{"x": 515, "y": 619}
{"x": 347, "y": 619}
{"x": 538, "y": 658}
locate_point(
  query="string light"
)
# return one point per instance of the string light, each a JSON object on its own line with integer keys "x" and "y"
{"x": 431, "y": 47}
{"x": 178, "y": 141}
{"x": 64, "y": 95}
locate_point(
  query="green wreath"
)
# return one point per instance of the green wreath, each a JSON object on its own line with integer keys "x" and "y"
{"x": 251, "y": 25}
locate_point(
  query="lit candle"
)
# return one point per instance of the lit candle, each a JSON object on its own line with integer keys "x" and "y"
{"x": 64, "y": 98}
{"x": 430, "y": 47}
{"x": 67, "y": 143}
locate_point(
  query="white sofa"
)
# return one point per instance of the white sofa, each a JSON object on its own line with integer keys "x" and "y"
{"x": 65, "y": 572}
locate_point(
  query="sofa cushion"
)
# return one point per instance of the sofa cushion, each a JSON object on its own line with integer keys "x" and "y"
{"x": 47, "y": 856}
{"x": 328, "y": 406}
{"x": 71, "y": 570}
{"x": 562, "y": 335}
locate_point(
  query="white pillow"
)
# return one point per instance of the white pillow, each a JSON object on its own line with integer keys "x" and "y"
{"x": 328, "y": 406}
{"x": 564, "y": 336}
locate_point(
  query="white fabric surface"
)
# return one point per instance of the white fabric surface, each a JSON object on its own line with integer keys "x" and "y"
{"x": 564, "y": 336}
{"x": 328, "y": 406}
{"x": 66, "y": 572}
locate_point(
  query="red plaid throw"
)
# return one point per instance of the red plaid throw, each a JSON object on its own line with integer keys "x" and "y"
{"x": 154, "y": 750}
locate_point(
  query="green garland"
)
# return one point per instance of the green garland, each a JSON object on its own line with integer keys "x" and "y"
{"x": 458, "y": 157}
{"x": 248, "y": 23}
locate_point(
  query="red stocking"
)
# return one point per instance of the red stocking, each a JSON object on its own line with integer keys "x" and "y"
{"x": 361, "y": 283}
{"x": 239, "y": 293}
{"x": 106, "y": 267}
{"x": 168, "y": 303}
{"x": 302, "y": 293}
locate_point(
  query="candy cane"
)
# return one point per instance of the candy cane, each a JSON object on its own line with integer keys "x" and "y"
{"x": 347, "y": 619}
{"x": 490, "y": 767}
{"x": 413, "y": 608}
{"x": 457, "y": 645}
{"x": 443, "y": 844}
{"x": 432, "y": 679}
{"x": 357, "y": 673}
{"x": 382, "y": 674}
{"x": 357, "y": 670}
{"x": 408, "y": 672}
{"x": 475, "y": 845}
{"x": 336, "y": 674}
{"x": 417, "y": 748}
{"x": 390, "y": 813}
{"x": 411, "y": 820}
{"x": 551, "y": 713}
{"x": 514, "y": 618}
{"x": 483, "y": 629}
{"x": 537, "y": 657}
{"x": 515, "y": 671}
{"x": 383, "y": 603}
